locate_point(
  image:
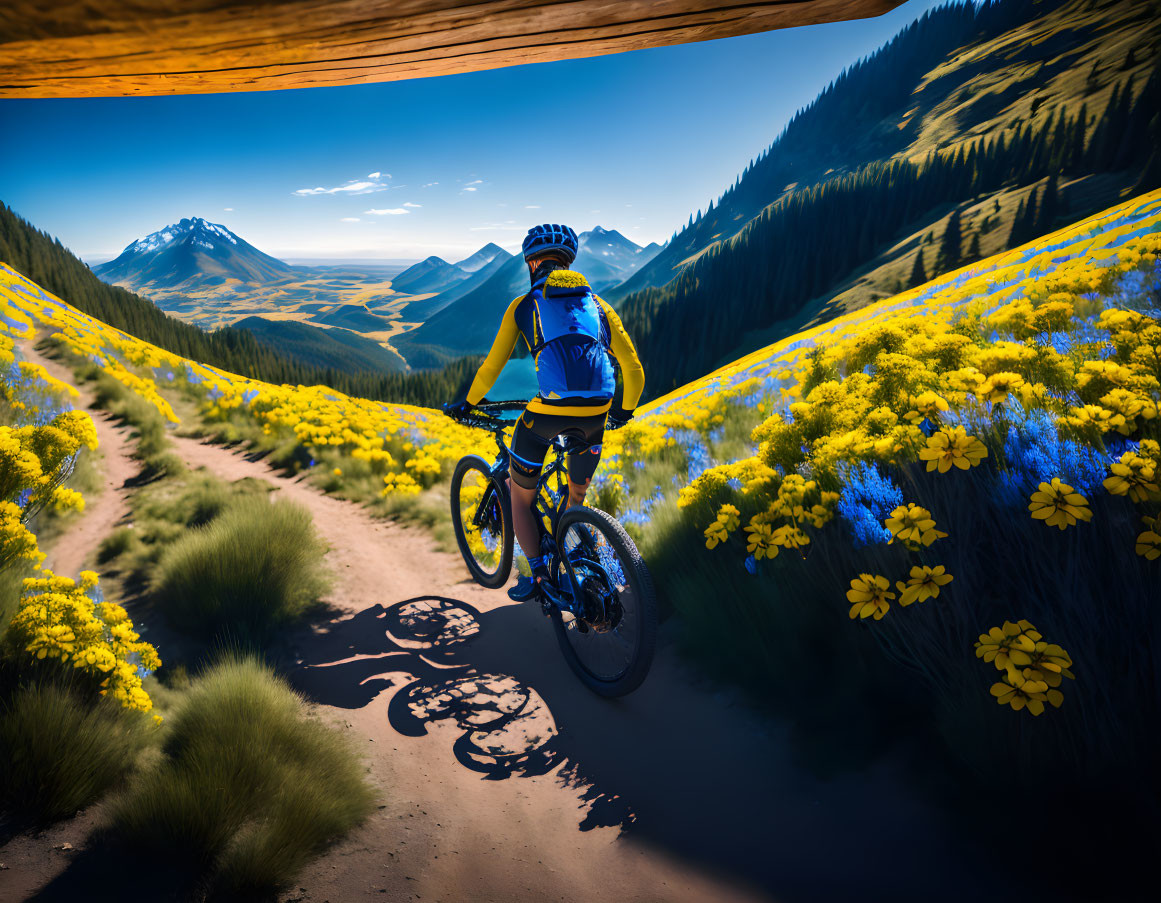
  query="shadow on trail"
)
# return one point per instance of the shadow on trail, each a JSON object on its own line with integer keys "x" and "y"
{"x": 672, "y": 765}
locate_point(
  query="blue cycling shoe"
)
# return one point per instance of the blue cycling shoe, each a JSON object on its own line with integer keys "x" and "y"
{"x": 526, "y": 588}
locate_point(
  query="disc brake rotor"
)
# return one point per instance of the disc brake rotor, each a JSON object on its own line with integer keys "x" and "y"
{"x": 600, "y": 609}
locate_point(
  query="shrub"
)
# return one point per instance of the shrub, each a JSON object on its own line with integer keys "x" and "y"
{"x": 122, "y": 402}
{"x": 248, "y": 787}
{"x": 257, "y": 566}
{"x": 63, "y": 751}
{"x": 116, "y": 544}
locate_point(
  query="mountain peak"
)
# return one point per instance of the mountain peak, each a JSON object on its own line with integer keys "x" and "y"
{"x": 481, "y": 258}
{"x": 208, "y": 234}
{"x": 191, "y": 249}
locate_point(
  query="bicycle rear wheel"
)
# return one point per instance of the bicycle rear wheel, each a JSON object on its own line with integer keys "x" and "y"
{"x": 482, "y": 517}
{"x": 610, "y": 640}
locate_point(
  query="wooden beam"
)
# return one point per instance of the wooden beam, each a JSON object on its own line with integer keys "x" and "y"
{"x": 105, "y": 48}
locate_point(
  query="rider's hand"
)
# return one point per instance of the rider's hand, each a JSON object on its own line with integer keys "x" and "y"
{"x": 458, "y": 411}
{"x": 617, "y": 418}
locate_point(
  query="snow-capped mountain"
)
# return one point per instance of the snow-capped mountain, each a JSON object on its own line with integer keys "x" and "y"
{"x": 607, "y": 257}
{"x": 188, "y": 254}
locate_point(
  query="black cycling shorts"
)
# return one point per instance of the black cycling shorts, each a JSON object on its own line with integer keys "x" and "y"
{"x": 533, "y": 435}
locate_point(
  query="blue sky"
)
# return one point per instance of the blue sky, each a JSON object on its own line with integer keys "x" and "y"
{"x": 634, "y": 141}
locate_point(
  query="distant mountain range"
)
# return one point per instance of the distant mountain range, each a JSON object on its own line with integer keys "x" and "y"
{"x": 469, "y": 323}
{"x": 208, "y": 275}
{"x": 436, "y": 275}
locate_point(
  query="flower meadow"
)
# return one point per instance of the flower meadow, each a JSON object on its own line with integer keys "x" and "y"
{"x": 864, "y": 521}
{"x": 59, "y": 622}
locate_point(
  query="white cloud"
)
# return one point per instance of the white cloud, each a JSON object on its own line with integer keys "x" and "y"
{"x": 429, "y": 184}
{"x": 355, "y": 186}
{"x": 409, "y": 204}
{"x": 469, "y": 189}
{"x": 228, "y": 209}
{"x": 350, "y": 219}
{"x": 387, "y": 211}
{"x": 476, "y": 182}
{"x": 507, "y": 226}
{"x": 531, "y": 206}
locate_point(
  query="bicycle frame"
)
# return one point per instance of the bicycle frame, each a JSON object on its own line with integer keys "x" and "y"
{"x": 546, "y": 514}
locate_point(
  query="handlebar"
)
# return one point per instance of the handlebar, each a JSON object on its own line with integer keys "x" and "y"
{"x": 486, "y": 415}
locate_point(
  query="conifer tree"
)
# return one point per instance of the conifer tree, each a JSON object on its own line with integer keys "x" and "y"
{"x": 918, "y": 271}
{"x": 950, "y": 249}
{"x": 973, "y": 253}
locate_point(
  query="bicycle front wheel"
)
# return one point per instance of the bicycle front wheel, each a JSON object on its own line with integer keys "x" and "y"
{"x": 482, "y": 517}
{"x": 610, "y": 637}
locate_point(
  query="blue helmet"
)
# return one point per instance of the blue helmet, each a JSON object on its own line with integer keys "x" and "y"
{"x": 551, "y": 237}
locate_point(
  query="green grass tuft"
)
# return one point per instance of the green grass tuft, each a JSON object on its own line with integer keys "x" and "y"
{"x": 62, "y": 752}
{"x": 255, "y": 567}
{"x": 248, "y": 788}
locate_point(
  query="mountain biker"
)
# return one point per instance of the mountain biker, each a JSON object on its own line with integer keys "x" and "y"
{"x": 570, "y": 333}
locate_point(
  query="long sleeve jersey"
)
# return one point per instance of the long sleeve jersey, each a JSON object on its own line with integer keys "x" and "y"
{"x": 522, "y": 319}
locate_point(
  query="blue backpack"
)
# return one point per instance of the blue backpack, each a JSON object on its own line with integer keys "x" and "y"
{"x": 569, "y": 339}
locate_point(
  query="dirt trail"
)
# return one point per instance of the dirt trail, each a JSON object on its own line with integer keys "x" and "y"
{"x": 504, "y": 779}
{"x": 76, "y": 549}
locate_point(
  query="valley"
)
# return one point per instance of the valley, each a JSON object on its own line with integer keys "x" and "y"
{"x": 206, "y": 275}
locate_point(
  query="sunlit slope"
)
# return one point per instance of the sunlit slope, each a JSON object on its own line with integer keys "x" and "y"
{"x": 403, "y": 444}
{"x": 988, "y": 284}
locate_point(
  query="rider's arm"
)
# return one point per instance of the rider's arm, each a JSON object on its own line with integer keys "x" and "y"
{"x": 621, "y": 345}
{"x": 501, "y": 350}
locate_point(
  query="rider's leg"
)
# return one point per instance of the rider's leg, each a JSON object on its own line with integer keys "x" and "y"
{"x": 576, "y": 492}
{"x": 523, "y": 520}
{"x": 528, "y": 449}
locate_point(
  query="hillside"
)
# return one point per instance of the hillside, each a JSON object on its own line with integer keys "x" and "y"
{"x": 335, "y": 349}
{"x": 58, "y": 270}
{"x": 956, "y": 74}
{"x": 1054, "y": 119}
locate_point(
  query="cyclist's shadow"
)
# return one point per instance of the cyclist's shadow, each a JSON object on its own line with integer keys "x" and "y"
{"x": 423, "y": 644}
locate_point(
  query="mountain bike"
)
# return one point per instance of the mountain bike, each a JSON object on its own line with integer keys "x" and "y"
{"x": 599, "y": 594}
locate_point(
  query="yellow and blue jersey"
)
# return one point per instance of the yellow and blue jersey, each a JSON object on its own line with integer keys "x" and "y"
{"x": 570, "y": 333}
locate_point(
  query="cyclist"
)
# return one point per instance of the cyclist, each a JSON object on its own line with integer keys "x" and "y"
{"x": 571, "y": 334}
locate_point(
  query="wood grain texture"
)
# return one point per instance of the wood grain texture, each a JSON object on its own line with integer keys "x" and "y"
{"x": 103, "y": 48}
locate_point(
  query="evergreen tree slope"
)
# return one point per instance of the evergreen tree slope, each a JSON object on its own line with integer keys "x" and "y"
{"x": 818, "y": 240}
{"x": 958, "y": 73}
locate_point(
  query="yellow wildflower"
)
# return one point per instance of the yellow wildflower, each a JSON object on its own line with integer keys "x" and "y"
{"x": 1135, "y": 476}
{"x": 1058, "y": 505}
{"x": 1019, "y": 692}
{"x": 997, "y": 386}
{"x": 715, "y": 534}
{"x": 913, "y": 526}
{"x": 926, "y": 405}
{"x": 869, "y": 596}
{"x": 950, "y": 447}
{"x": 1149, "y": 545}
{"x": 728, "y": 516}
{"x": 925, "y": 583}
{"x": 760, "y": 544}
